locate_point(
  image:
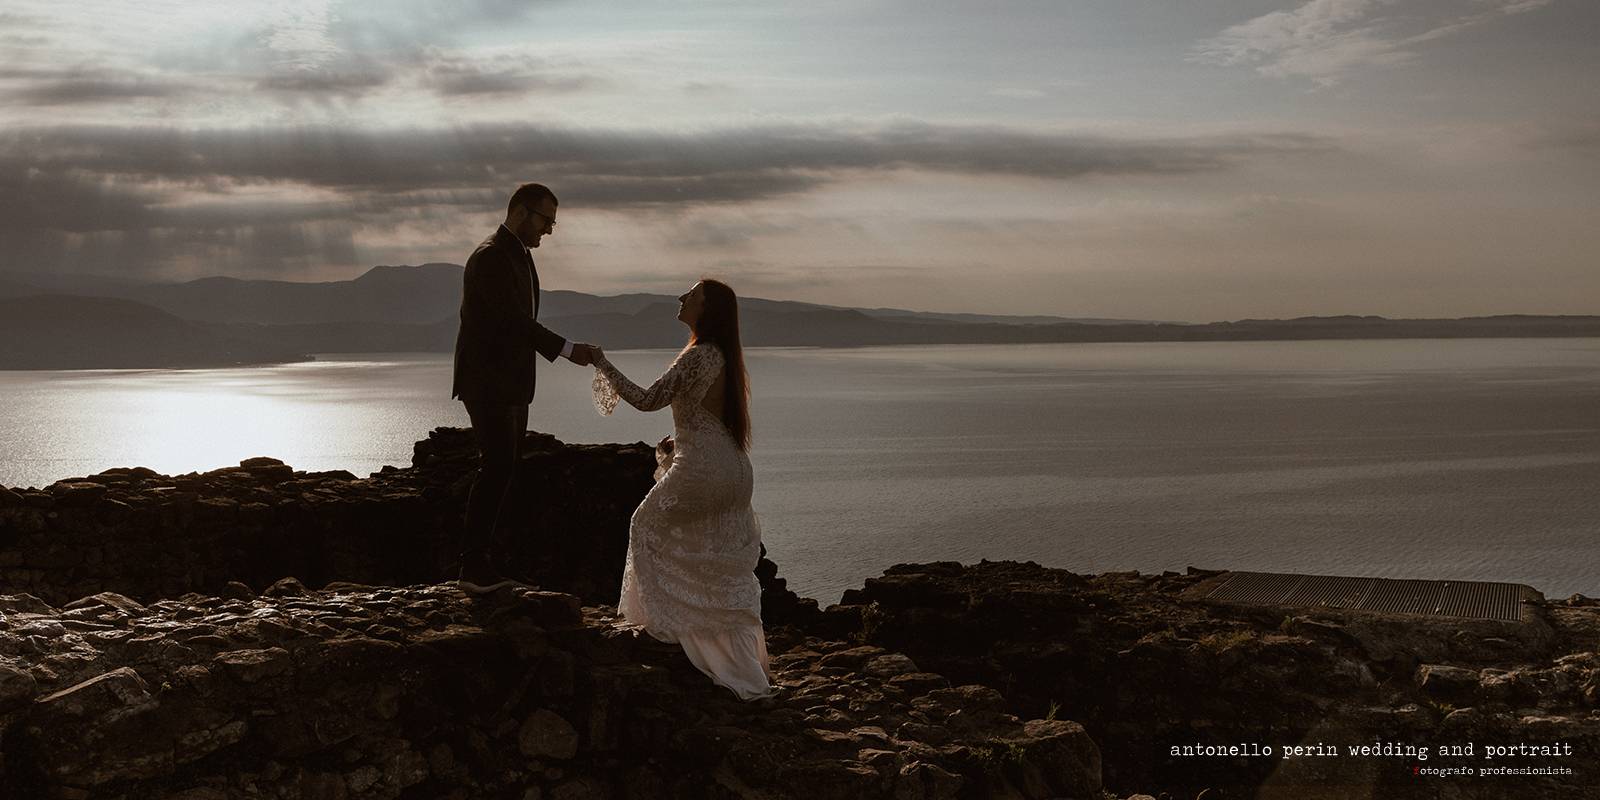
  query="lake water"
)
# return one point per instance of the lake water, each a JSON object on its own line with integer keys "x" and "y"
{"x": 1463, "y": 459}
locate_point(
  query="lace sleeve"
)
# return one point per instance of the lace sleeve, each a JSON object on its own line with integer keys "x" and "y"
{"x": 690, "y": 369}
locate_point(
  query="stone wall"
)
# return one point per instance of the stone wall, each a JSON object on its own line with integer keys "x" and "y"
{"x": 150, "y": 536}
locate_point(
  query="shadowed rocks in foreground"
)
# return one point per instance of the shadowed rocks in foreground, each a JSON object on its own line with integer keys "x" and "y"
{"x": 1145, "y": 669}
{"x": 418, "y": 692}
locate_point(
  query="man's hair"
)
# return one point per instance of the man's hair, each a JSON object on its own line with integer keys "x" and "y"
{"x": 528, "y": 195}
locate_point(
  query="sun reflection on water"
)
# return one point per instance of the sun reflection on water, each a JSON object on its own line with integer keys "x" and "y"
{"x": 322, "y": 414}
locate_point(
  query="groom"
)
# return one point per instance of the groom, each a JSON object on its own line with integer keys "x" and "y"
{"x": 494, "y": 367}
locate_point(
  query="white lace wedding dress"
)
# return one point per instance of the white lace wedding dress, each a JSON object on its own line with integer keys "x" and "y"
{"x": 694, "y": 542}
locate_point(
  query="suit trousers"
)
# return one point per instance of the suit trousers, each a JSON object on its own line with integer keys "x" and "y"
{"x": 498, "y": 429}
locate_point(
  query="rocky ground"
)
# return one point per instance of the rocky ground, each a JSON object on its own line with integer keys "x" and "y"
{"x": 1143, "y": 669}
{"x": 356, "y": 691}
{"x": 265, "y": 632}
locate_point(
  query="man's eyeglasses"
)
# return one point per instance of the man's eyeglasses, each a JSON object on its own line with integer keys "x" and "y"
{"x": 551, "y": 220}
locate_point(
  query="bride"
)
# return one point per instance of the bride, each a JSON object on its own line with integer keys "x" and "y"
{"x": 694, "y": 542}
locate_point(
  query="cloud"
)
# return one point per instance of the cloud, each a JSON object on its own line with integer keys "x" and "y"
{"x": 706, "y": 88}
{"x": 1324, "y": 41}
{"x": 720, "y": 233}
{"x": 428, "y": 20}
{"x": 745, "y": 162}
{"x": 49, "y": 87}
{"x": 262, "y": 199}
{"x": 288, "y": 52}
{"x": 347, "y": 84}
{"x": 1580, "y": 139}
{"x": 1015, "y": 93}
{"x": 93, "y": 88}
{"x": 298, "y": 33}
{"x": 456, "y": 76}
{"x": 78, "y": 86}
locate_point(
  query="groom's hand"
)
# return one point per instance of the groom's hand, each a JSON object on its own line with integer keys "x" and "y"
{"x": 581, "y": 355}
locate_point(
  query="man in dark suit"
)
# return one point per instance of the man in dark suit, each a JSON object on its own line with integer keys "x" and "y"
{"x": 494, "y": 366}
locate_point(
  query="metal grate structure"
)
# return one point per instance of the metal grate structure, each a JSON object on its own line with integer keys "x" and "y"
{"x": 1466, "y": 599}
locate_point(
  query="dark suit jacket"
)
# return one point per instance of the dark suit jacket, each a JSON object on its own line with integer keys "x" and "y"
{"x": 500, "y": 331}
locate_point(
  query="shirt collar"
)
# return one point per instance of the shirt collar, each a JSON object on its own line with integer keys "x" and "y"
{"x": 516, "y": 237}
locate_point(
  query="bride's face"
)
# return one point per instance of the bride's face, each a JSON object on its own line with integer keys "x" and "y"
{"x": 690, "y": 304}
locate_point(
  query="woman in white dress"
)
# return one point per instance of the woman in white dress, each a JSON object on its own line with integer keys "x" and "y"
{"x": 694, "y": 542}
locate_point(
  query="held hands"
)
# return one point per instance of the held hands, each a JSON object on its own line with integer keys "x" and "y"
{"x": 665, "y": 445}
{"x": 583, "y": 354}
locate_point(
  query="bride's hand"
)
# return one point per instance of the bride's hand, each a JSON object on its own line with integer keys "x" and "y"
{"x": 665, "y": 445}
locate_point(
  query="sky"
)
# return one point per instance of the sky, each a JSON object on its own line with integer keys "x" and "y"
{"x": 1142, "y": 159}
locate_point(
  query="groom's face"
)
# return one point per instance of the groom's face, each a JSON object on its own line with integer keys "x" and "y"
{"x": 537, "y": 222}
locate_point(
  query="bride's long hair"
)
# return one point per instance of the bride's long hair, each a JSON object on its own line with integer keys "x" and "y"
{"x": 719, "y": 322}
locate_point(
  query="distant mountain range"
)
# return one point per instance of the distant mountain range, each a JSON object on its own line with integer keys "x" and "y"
{"x": 75, "y": 322}
{"x": 66, "y": 332}
{"x": 406, "y": 294}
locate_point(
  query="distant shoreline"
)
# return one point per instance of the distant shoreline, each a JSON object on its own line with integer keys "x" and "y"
{"x": 223, "y": 322}
{"x": 322, "y": 356}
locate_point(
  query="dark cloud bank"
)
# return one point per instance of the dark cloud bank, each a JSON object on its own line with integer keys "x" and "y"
{"x": 158, "y": 192}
